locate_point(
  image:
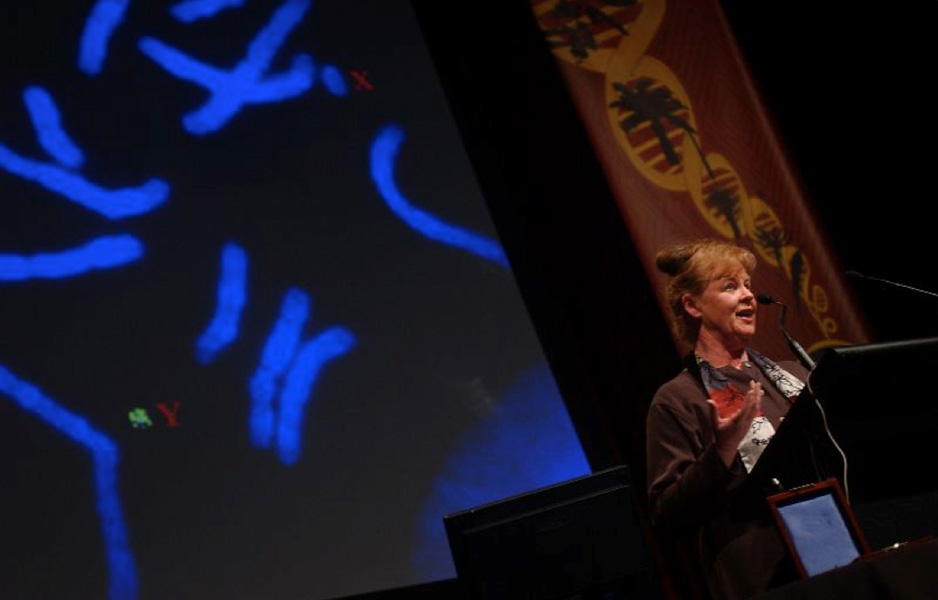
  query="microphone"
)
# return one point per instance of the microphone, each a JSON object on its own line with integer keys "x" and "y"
{"x": 766, "y": 299}
{"x": 799, "y": 351}
{"x": 858, "y": 275}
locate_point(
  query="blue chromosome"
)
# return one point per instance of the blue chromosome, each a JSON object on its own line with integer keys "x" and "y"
{"x": 113, "y": 204}
{"x": 104, "y": 18}
{"x": 231, "y": 298}
{"x": 105, "y": 252}
{"x": 301, "y": 363}
{"x": 278, "y": 351}
{"x": 384, "y": 150}
{"x": 48, "y": 125}
{"x": 120, "y": 560}
{"x": 334, "y": 81}
{"x": 193, "y": 10}
{"x": 246, "y": 83}
{"x": 310, "y": 359}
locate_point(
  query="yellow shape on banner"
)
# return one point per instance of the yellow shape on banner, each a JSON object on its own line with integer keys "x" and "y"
{"x": 818, "y": 303}
{"x": 768, "y": 233}
{"x": 827, "y": 343}
{"x": 719, "y": 194}
{"x": 587, "y": 33}
{"x": 650, "y": 117}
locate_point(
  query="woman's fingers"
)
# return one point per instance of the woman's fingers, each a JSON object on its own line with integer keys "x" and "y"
{"x": 731, "y": 429}
{"x": 756, "y": 391}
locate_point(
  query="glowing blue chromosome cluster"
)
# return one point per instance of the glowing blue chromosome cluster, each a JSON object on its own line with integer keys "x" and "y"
{"x": 297, "y": 365}
{"x": 59, "y": 176}
{"x": 246, "y": 83}
{"x": 281, "y": 387}
{"x": 282, "y": 383}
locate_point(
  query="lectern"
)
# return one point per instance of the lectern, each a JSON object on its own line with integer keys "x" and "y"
{"x": 880, "y": 406}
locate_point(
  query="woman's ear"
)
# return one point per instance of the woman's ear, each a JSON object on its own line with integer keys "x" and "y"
{"x": 690, "y": 306}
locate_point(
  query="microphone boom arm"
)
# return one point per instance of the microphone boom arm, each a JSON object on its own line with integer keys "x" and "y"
{"x": 803, "y": 357}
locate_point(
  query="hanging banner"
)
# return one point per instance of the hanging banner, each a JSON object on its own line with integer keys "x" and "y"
{"x": 689, "y": 152}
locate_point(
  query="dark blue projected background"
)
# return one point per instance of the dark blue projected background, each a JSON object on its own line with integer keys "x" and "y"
{"x": 258, "y": 333}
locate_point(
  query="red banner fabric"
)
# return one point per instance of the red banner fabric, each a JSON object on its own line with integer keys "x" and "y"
{"x": 689, "y": 151}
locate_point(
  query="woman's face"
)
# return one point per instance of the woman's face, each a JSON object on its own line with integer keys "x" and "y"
{"x": 726, "y": 308}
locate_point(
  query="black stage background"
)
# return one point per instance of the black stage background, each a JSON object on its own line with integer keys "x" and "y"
{"x": 848, "y": 85}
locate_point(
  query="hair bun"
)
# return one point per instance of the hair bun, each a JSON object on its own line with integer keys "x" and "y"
{"x": 673, "y": 260}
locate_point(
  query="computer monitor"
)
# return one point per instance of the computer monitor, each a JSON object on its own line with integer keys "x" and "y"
{"x": 575, "y": 538}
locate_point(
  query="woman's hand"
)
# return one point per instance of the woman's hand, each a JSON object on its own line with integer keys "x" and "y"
{"x": 731, "y": 430}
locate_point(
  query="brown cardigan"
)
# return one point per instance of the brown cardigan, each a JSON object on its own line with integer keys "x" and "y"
{"x": 732, "y": 539}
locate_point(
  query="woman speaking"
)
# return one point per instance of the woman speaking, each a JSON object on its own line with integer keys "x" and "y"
{"x": 708, "y": 426}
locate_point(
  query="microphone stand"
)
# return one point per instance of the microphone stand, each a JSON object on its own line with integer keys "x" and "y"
{"x": 796, "y": 348}
{"x": 857, "y": 275}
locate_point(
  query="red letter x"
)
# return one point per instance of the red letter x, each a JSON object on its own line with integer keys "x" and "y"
{"x": 361, "y": 81}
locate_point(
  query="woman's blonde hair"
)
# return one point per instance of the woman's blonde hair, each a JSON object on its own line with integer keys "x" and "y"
{"x": 690, "y": 268}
